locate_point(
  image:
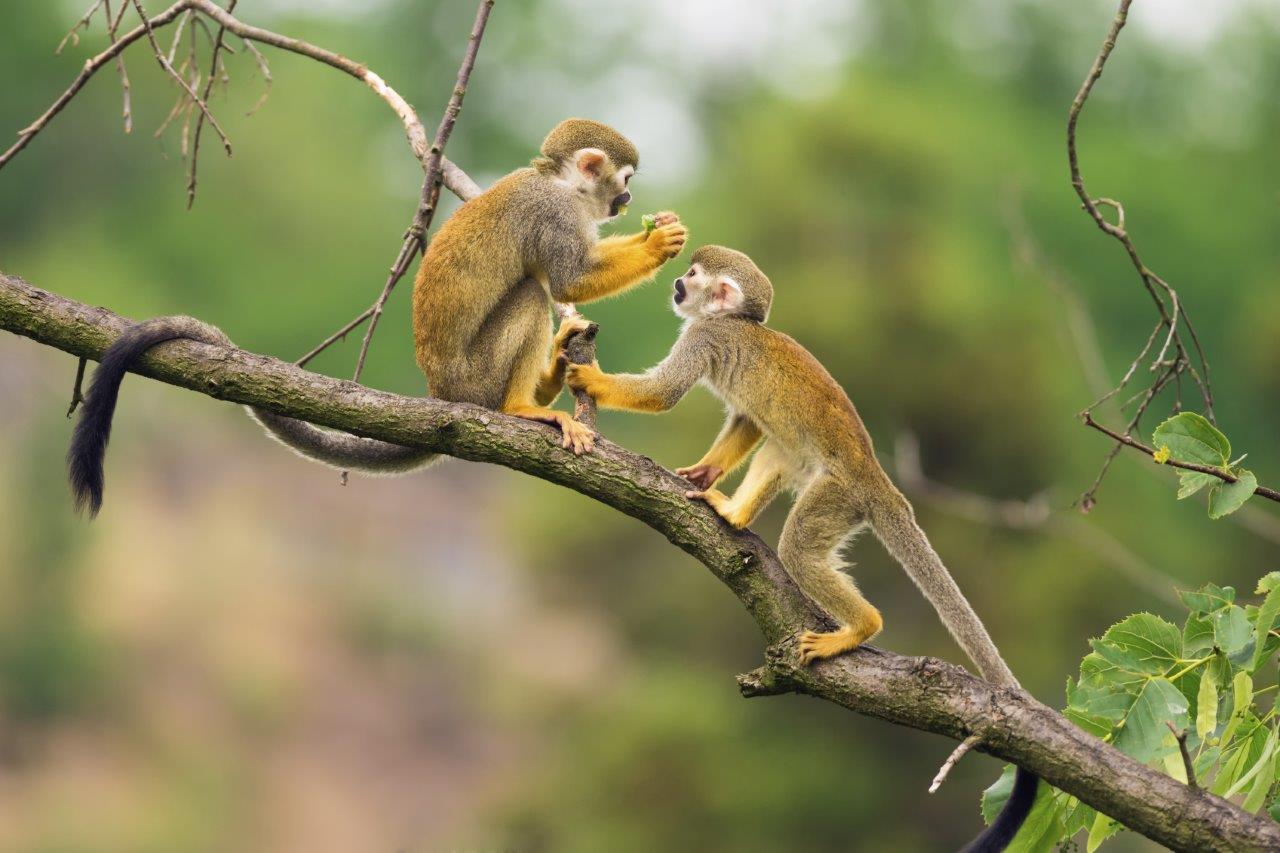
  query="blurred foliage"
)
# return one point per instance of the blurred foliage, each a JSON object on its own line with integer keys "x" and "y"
{"x": 240, "y": 654}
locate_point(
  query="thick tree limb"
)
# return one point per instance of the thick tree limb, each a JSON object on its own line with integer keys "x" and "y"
{"x": 923, "y": 693}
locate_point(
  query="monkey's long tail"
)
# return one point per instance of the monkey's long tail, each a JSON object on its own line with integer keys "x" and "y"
{"x": 93, "y": 430}
{"x": 893, "y": 521}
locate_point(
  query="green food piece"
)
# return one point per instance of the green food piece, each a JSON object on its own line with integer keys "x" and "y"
{"x": 649, "y": 221}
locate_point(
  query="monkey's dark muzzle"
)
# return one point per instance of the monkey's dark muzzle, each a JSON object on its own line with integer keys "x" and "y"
{"x": 619, "y": 202}
{"x": 680, "y": 291}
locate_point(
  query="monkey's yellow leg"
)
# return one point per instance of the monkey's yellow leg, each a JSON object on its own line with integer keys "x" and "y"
{"x": 764, "y": 478}
{"x": 735, "y": 441}
{"x": 619, "y": 264}
{"x": 824, "y": 516}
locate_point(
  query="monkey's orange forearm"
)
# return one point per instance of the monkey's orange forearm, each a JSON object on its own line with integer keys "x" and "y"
{"x": 628, "y": 393}
{"x": 617, "y": 266}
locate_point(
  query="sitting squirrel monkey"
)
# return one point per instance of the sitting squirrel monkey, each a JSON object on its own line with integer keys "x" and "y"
{"x": 482, "y": 305}
{"x": 815, "y": 444}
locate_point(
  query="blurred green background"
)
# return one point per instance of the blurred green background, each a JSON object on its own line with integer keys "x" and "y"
{"x": 242, "y": 654}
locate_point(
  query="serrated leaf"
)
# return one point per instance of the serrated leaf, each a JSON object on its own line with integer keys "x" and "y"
{"x": 1143, "y": 729}
{"x": 1191, "y": 438}
{"x": 1207, "y": 706}
{"x": 1208, "y": 598}
{"x": 1076, "y": 816}
{"x": 1197, "y": 635}
{"x": 1262, "y": 626}
{"x": 1155, "y": 644}
{"x": 1191, "y": 482}
{"x": 1102, "y": 829}
{"x": 1226, "y": 498}
{"x": 1230, "y": 629}
{"x": 1268, "y": 582}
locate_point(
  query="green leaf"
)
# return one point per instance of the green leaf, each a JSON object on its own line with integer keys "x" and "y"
{"x": 1190, "y": 482}
{"x": 1226, "y": 498}
{"x": 1208, "y": 598}
{"x": 1242, "y": 697}
{"x": 997, "y": 794}
{"x": 1143, "y": 730}
{"x": 1102, "y": 829}
{"x": 1191, "y": 438}
{"x": 1207, "y": 706}
{"x": 1173, "y": 757}
{"x": 1274, "y": 809}
{"x": 1261, "y": 784}
{"x": 1261, "y": 764}
{"x": 1151, "y": 643}
{"x": 1230, "y": 629}
{"x": 1266, "y": 619}
{"x": 1197, "y": 636}
{"x": 1268, "y": 582}
{"x": 1042, "y": 829}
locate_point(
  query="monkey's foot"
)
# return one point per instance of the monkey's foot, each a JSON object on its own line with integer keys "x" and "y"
{"x": 701, "y": 475}
{"x": 575, "y": 436}
{"x": 817, "y": 646}
{"x": 720, "y": 502}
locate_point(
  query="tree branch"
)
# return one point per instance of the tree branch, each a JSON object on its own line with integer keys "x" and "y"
{"x": 923, "y": 693}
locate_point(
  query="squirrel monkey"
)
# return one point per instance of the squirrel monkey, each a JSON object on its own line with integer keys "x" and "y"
{"x": 815, "y": 444}
{"x": 482, "y": 305}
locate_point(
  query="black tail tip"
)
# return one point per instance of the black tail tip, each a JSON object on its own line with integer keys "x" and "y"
{"x": 86, "y": 483}
{"x": 1000, "y": 834}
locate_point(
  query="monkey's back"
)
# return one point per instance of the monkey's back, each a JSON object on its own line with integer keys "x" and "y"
{"x": 474, "y": 315}
{"x": 770, "y": 377}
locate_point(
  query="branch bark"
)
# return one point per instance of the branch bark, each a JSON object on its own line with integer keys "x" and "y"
{"x": 922, "y": 693}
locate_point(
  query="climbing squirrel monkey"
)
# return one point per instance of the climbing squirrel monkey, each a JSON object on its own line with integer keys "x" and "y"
{"x": 811, "y": 441}
{"x": 482, "y": 305}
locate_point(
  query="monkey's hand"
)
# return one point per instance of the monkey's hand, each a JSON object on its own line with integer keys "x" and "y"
{"x": 701, "y": 475}
{"x": 585, "y": 377}
{"x": 667, "y": 241}
{"x": 664, "y": 217}
{"x": 569, "y": 326}
{"x": 718, "y": 501}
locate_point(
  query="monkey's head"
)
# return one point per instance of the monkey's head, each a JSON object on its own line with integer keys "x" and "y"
{"x": 723, "y": 283}
{"x": 595, "y": 160}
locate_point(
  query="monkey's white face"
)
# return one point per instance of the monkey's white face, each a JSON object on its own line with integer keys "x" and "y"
{"x": 698, "y": 293}
{"x": 600, "y": 186}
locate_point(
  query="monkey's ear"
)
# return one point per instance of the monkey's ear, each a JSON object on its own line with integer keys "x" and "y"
{"x": 590, "y": 162}
{"x": 726, "y": 296}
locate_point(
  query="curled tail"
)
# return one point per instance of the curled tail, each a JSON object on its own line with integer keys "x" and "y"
{"x": 894, "y": 523}
{"x": 93, "y": 430}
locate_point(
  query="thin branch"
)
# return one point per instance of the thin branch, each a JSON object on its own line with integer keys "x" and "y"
{"x": 186, "y": 87}
{"x": 77, "y": 390}
{"x": 454, "y": 178}
{"x": 1130, "y": 441}
{"x": 956, "y": 754}
{"x": 416, "y": 238}
{"x": 218, "y": 41}
{"x": 1172, "y": 312}
{"x": 73, "y": 34}
{"x": 923, "y": 693}
{"x": 1188, "y": 765}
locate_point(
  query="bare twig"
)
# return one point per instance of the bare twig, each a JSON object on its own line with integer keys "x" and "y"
{"x": 454, "y": 178}
{"x": 924, "y": 693}
{"x": 73, "y": 34}
{"x": 416, "y": 238}
{"x": 77, "y": 390}
{"x": 113, "y": 24}
{"x": 1187, "y": 764}
{"x": 182, "y": 83}
{"x": 218, "y": 41}
{"x": 956, "y": 754}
